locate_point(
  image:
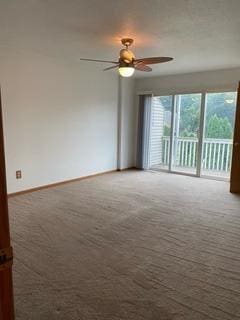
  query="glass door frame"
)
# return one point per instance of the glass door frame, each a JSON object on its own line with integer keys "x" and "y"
{"x": 199, "y": 153}
{"x": 202, "y": 132}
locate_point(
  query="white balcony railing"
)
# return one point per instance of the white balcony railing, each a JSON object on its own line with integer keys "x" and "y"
{"x": 217, "y": 153}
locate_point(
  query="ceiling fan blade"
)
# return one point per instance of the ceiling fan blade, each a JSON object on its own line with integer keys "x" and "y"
{"x": 153, "y": 60}
{"x": 109, "y": 68}
{"x": 142, "y": 67}
{"x": 94, "y": 60}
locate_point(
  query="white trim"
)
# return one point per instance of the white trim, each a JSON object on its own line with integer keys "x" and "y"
{"x": 170, "y": 92}
{"x": 222, "y": 90}
{"x": 201, "y": 134}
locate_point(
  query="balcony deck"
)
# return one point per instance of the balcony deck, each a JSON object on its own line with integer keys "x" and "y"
{"x": 216, "y": 158}
{"x": 204, "y": 173}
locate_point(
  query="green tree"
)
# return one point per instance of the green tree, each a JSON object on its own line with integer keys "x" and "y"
{"x": 220, "y": 114}
{"x": 221, "y": 104}
{"x": 166, "y": 131}
{"x": 219, "y": 128}
{"x": 190, "y": 115}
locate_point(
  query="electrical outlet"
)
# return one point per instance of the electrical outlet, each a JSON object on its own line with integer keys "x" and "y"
{"x": 18, "y": 174}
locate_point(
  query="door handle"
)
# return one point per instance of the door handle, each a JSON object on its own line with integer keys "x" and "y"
{"x": 236, "y": 144}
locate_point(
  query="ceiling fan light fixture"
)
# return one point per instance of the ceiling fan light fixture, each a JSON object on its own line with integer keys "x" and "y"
{"x": 126, "y": 71}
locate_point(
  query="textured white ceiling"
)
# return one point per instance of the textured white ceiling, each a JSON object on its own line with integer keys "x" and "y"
{"x": 199, "y": 34}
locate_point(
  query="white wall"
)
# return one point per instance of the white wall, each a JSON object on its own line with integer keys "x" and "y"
{"x": 60, "y": 119}
{"x": 192, "y": 82}
{"x": 127, "y": 123}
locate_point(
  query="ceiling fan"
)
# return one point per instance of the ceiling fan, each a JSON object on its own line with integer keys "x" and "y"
{"x": 127, "y": 62}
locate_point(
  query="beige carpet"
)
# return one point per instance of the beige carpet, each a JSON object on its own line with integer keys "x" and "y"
{"x": 131, "y": 246}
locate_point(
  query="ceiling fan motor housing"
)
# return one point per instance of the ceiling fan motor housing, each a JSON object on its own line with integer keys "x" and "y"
{"x": 127, "y": 55}
{"x": 123, "y": 64}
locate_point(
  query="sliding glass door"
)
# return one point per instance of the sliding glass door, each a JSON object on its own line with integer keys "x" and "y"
{"x": 218, "y": 134}
{"x": 193, "y": 133}
{"x": 186, "y": 133}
